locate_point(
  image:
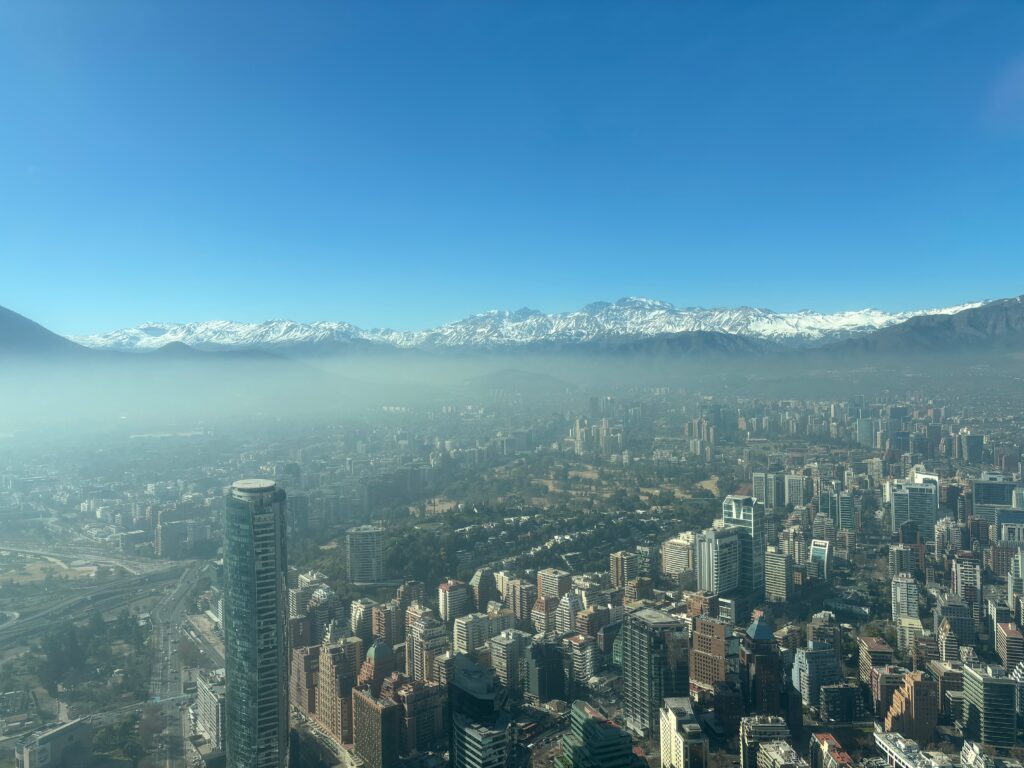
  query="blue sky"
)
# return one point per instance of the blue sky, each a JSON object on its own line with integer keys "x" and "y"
{"x": 408, "y": 164}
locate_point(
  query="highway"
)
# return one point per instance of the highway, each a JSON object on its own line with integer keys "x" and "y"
{"x": 104, "y": 597}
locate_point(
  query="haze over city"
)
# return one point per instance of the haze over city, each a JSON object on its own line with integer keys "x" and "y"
{"x": 511, "y": 385}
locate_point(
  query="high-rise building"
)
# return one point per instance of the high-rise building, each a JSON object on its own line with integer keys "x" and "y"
{"x": 340, "y": 661}
{"x": 796, "y": 492}
{"x": 904, "y": 597}
{"x": 454, "y": 599}
{"x": 255, "y": 617}
{"x": 914, "y": 712}
{"x": 990, "y": 706}
{"x": 380, "y": 662}
{"x": 480, "y": 721}
{"x": 954, "y": 609}
{"x": 1009, "y": 645}
{"x": 770, "y": 489}
{"x": 815, "y": 666}
{"x": 683, "y": 743}
{"x": 210, "y": 697}
{"x": 376, "y": 728}
{"x": 593, "y": 740}
{"x": 484, "y": 588}
{"x": 545, "y": 672}
{"x": 757, "y": 730}
{"x": 425, "y": 641}
{"x": 509, "y": 651}
{"x": 569, "y": 606}
{"x": 779, "y": 754}
{"x": 303, "y": 679}
{"x": 708, "y": 664}
{"x": 552, "y": 582}
{"x": 677, "y": 555}
{"x": 361, "y": 619}
{"x": 914, "y": 502}
{"x": 365, "y": 556}
{"x": 873, "y": 652}
{"x": 520, "y": 597}
{"x": 762, "y": 669}
{"x": 623, "y": 566}
{"x": 718, "y": 553}
{"x": 778, "y": 575}
{"x": 746, "y": 514}
{"x": 581, "y": 663}
{"x": 819, "y": 558}
{"x": 388, "y": 620}
{"x": 654, "y": 665}
{"x": 422, "y": 726}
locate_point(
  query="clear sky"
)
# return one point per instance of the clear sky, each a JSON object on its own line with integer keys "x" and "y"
{"x": 407, "y": 164}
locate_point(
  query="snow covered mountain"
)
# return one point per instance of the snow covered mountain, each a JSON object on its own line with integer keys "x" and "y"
{"x": 624, "y": 319}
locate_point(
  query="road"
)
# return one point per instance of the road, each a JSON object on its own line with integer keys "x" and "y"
{"x": 105, "y": 597}
{"x": 167, "y": 682}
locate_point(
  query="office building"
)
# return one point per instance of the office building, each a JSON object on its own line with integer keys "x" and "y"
{"x": 914, "y": 502}
{"x": 718, "y": 553}
{"x": 819, "y": 558}
{"x": 840, "y": 703}
{"x": 761, "y": 668}
{"x": 757, "y": 730}
{"x": 593, "y": 740}
{"x": 480, "y": 721}
{"x": 376, "y": 728}
{"x": 746, "y": 515}
{"x": 682, "y": 741}
{"x": 365, "y": 555}
{"x": 654, "y": 665}
{"x": 815, "y": 666}
{"x": 989, "y": 706}
{"x": 255, "y": 616}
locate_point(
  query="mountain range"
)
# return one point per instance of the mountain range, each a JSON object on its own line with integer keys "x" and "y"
{"x": 627, "y": 320}
{"x": 628, "y": 326}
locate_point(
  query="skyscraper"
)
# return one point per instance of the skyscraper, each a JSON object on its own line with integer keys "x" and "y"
{"x": 364, "y": 554}
{"x": 718, "y": 560}
{"x": 655, "y": 665}
{"x": 255, "y": 614}
{"x": 904, "y": 597}
{"x": 746, "y": 514}
{"x": 990, "y": 700}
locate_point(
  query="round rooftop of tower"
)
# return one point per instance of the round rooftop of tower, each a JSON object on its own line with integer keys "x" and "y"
{"x": 255, "y": 485}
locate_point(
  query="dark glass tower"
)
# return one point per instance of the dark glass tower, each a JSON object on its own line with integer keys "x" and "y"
{"x": 255, "y": 615}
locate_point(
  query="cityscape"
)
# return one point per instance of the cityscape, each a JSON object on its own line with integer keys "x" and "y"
{"x": 537, "y": 384}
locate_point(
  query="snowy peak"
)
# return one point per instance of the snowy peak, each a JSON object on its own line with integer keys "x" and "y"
{"x": 627, "y": 318}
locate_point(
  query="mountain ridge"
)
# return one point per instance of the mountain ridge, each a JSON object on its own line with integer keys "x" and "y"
{"x": 628, "y": 318}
